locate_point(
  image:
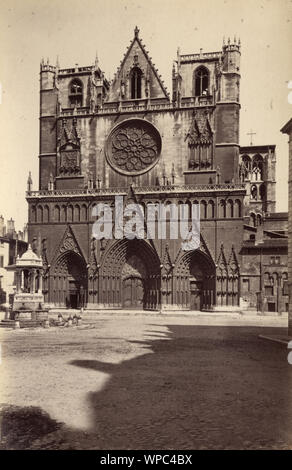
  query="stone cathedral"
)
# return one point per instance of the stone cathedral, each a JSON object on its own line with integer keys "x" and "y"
{"x": 130, "y": 137}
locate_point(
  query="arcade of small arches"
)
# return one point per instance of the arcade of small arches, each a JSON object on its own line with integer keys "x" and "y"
{"x": 274, "y": 280}
{"x": 132, "y": 276}
{"x": 29, "y": 281}
{"x": 255, "y": 220}
{"x": 64, "y": 213}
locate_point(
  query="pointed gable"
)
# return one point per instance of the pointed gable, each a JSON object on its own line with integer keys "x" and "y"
{"x": 137, "y": 59}
{"x": 68, "y": 243}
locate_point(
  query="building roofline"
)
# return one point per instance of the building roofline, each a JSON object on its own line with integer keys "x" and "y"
{"x": 286, "y": 129}
{"x": 255, "y": 148}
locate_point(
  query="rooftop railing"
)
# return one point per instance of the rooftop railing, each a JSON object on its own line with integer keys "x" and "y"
{"x": 139, "y": 190}
{"x": 119, "y": 107}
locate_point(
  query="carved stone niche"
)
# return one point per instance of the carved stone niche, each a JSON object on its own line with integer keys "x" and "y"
{"x": 69, "y": 160}
{"x": 133, "y": 147}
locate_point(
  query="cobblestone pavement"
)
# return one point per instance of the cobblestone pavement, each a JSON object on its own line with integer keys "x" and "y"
{"x": 147, "y": 383}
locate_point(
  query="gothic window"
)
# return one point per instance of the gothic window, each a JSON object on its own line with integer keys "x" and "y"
{"x": 237, "y": 208}
{"x": 252, "y": 220}
{"x": 70, "y": 213}
{"x": 257, "y": 168}
{"x": 262, "y": 192}
{"x": 63, "y": 213}
{"x": 254, "y": 192}
{"x": 40, "y": 214}
{"x": 83, "y": 213}
{"x": 76, "y": 93}
{"x": 222, "y": 209}
{"x": 46, "y": 214}
{"x": 136, "y": 83}
{"x": 246, "y": 167}
{"x": 203, "y": 210}
{"x": 259, "y": 220}
{"x": 57, "y": 214}
{"x": 201, "y": 81}
{"x": 76, "y": 213}
{"x": 33, "y": 214}
{"x": 229, "y": 208}
{"x": 210, "y": 210}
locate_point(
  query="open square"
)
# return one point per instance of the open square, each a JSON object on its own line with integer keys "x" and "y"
{"x": 147, "y": 382}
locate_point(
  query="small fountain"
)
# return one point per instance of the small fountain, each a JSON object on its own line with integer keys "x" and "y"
{"x": 28, "y": 307}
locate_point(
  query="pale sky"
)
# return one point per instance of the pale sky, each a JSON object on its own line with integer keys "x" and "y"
{"x": 75, "y": 29}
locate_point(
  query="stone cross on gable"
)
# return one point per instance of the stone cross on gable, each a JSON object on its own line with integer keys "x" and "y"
{"x": 251, "y": 133}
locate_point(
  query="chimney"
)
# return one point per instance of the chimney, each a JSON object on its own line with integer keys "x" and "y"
{"x": 10, "y": 228}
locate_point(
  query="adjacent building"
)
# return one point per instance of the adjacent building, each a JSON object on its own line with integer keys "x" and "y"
{"x": 12, "y": 244}
{"x": 287, "y": 129}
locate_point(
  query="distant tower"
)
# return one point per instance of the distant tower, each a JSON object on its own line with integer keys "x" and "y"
{"x": 10, "y": 228}
{"x": 257, "y": 168}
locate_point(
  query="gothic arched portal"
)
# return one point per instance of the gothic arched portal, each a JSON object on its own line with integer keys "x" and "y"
{"x": 130, "y": 276}
{"x": 194, "y": 281}
{"x": 69, "y": 281}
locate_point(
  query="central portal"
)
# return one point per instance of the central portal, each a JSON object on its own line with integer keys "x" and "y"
{"x": 134, "y": 275}
{"x": 133, "y": 292}
{"x": 196, "y": 294}
{"x": 130, "y": 276}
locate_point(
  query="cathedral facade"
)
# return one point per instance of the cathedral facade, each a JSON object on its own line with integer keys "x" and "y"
{"x": 129, "y": 137}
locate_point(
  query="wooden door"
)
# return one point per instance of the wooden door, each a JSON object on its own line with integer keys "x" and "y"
{"x": 133, "y": 293}
{"x": 196, "y": 295}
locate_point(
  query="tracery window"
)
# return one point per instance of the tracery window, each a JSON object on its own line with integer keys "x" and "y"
{"x": 257, "y": 168}
{"x": 133, "y": 147}
{"x": 246, "y": 167}
{"x": 136, "y": 83}
{"x": 76, "y": 93}
{"x": 201, "y": 80}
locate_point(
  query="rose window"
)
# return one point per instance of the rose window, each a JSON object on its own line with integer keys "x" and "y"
{"x": 133, "y": 147}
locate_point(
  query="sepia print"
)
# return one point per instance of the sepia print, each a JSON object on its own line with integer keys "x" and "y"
{"x": 145, "y": 229}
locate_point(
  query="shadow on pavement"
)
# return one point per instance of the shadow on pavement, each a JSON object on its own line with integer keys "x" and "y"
{"x": 201, "y": 387}
{"x": 22, "y": 425}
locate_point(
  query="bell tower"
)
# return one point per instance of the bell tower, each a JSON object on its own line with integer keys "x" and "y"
{"x": 227, "y": 112}
{"x": 48, "y": 130}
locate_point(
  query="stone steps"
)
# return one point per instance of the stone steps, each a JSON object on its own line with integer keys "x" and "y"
{"x": 22, "y": 323}
{"x": 7, "y": 324}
